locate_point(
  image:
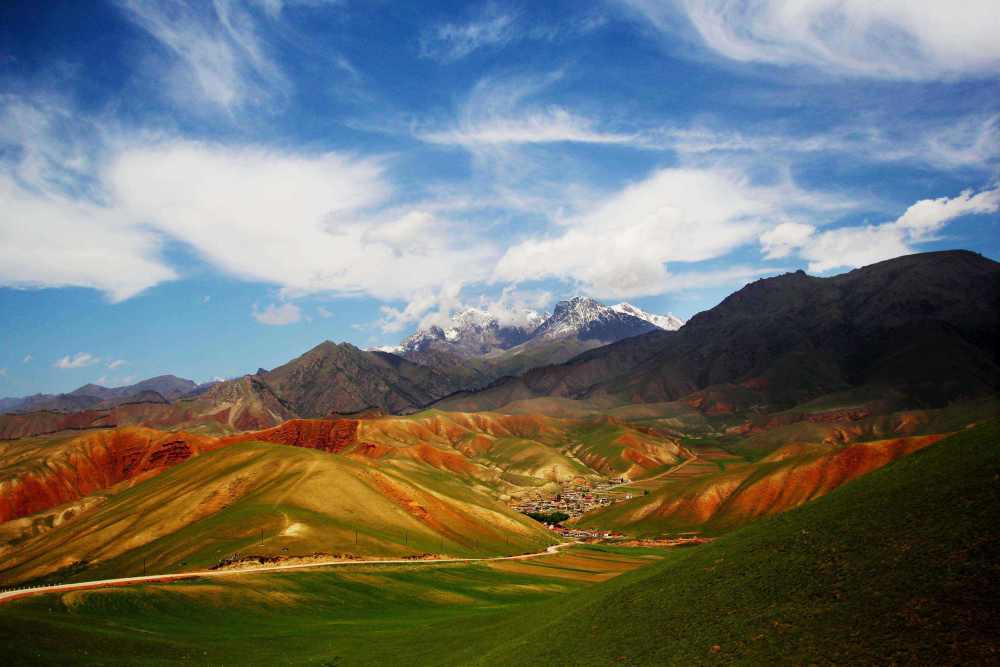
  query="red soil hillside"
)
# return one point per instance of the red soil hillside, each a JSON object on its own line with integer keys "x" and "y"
{"x": 39, "y": 475}
{"x": 328, "y": 435}
{"x": 786, "y": 479}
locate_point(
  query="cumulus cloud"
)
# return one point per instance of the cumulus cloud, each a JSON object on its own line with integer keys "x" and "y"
{"x": 620, "y": 249}
{"x": 860, "y": 245}
{"x": 888, "y": 39}
{"x": 78, "y": 360}
{"x": 278, "y": 315}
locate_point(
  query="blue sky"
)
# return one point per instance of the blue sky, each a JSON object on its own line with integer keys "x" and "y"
{"x": 204, "y": 188}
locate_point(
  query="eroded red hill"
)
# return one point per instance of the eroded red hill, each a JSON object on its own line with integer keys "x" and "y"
{"x": 38, "y": 476}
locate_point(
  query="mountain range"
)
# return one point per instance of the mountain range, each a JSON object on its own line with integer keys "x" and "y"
{"x": 923, "y": 326}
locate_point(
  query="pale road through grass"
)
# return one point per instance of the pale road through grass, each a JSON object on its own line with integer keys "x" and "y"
{"x": 17, "y": 594}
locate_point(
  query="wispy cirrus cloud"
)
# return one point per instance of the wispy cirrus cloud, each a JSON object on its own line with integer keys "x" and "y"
{"x": 494, "y": 26}
{"x": 452, "y": 41}
{"x": 217, "y": 55}
{"x": 893, "y": 39}
{"x": 78, "y": 360}
{"x": 500, "y": 112}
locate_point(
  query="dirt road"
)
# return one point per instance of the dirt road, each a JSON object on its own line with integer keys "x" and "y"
{"x": 7, "y": 596}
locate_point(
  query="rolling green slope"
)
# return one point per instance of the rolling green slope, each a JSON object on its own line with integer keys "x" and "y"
{"x": 900, "y": 566}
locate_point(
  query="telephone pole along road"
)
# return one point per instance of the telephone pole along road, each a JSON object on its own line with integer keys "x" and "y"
{"x": 7, "y": 596}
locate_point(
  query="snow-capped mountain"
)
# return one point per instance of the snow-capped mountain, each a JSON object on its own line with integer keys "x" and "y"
{"x": 668, "y": 322}
{"x": 474, "y": 332}
{"x": 584, "y": 318}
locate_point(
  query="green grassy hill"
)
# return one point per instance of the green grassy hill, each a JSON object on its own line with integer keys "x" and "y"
{"x": 899, "y": 566}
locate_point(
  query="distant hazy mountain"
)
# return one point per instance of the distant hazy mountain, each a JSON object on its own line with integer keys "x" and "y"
{"x": 157, "y": 389}
{"x": 925, "y": 325}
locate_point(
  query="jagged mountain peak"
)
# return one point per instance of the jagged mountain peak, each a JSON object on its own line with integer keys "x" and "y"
{"x": 474, "y": 331}
{"x": 585, "y": 318}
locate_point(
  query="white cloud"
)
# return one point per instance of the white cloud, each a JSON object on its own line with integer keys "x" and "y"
{"x": 861, "y": 245}
{"x": 324, "y": 312}
{"x": 27, "y": 359}
{"x": 496, "y": 113}
{"x": 3, "y": 372}
{"x": 278, "y": 315}
{"x": 781, "y": 240}
{"x": 619, "y": 250}
{"x": 890, "y": 39}
{"x": 430, "y": 306}
{"x": 117, "y": 363}
{"x": 78, "y": 360}
{"x": 217, "y": 54}
{"x": 927, "y": 216}
{"x": 68, "y": 242}
{"x": 853, "y": 247}
{"x": 309, "y": 223}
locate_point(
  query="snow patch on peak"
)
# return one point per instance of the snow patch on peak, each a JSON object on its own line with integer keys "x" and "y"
{"x": 668, "y": 322}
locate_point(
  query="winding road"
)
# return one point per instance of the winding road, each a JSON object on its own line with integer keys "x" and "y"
{"x": 8, "y": 596}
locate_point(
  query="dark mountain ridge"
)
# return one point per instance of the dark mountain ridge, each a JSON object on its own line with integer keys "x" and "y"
{"x": 926, "y": 325}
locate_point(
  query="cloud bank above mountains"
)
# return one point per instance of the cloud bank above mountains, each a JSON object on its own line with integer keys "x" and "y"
{"x": 533, "y": 181}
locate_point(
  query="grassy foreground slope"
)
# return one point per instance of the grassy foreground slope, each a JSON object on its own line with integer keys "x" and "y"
{"x": 419, "y": 614}
{"x": 899, "y": 566}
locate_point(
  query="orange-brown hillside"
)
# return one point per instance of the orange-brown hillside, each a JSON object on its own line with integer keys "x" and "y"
{"x": 788, "y": 478}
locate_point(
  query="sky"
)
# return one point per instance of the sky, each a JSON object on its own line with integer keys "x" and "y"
{"x": 206, "y": 188}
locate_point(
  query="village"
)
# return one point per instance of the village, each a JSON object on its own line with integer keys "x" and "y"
{"x": 575, "y": 499}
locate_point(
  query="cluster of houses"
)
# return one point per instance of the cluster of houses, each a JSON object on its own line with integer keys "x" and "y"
{"x": 576, "y": 498}
{"x": 583, "y": 534}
